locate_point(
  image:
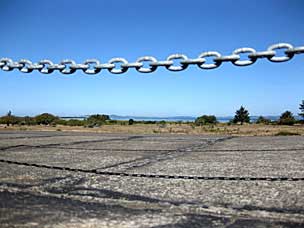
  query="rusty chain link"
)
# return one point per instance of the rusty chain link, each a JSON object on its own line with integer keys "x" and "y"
{"x": 121, "y": 65}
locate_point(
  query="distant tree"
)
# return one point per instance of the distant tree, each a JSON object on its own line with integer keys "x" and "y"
{"x": 46, "y": 119}
{"x": 287, "y": 118}
{"x": 302, "y": 109}
{"x": 241, "y": 116}
{"x": 131, "y": 121}
{"x": 205, "y": 119}
{"x": 263, "y": 120}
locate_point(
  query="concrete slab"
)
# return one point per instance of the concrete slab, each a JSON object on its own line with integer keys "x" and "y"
{"x": 47, "y": 197}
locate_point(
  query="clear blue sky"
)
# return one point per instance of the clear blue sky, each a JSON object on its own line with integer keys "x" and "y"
{"x": 104, "y": 29}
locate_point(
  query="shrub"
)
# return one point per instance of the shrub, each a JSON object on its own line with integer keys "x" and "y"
{"x": 9, "y": 119}
{"x": 287, "y": 118}
{"x": 122, "y": 123}
{"x": 74, "y": 122}
{"x": 286, "y": 133}
{"x": 97, "y": 120}
{"x": 162, "y": 124}
{"x": 61, "y": 122}
{"x": 112, "y": 122}
{"x": 149, "y": 122}
{"x": 131, "y": 121}
{"x": 27, "y": 120}
{"x": 241, "y": 116}
{"x": 263, "y": 120}
{"x": 46, "y": 119}
{"x": 205, "y": 119}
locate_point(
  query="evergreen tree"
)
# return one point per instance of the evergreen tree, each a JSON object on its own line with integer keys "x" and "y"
{"x": 287, "y": 118}
{"x": 302, "y": 109}
{"x": 241, "y": 116}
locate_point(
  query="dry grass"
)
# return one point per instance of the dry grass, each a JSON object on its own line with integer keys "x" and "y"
{"x": 219, "y": 129}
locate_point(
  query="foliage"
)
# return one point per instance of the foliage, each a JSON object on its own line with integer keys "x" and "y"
{"x": 149, "y": 122}
{"x": 9, "y": 119}
{"x": 112, "y": 122}
{"x": 61, "y": 122}
{"x": 162, "y": 124}
{"x": 27, "y": 120}
{"x": 97, "y": 120}
{"x": 205, "y": 119}
{"x": 302, "y": 109}
{"x": 287, "y": 118}
{"x": 74, "y": 122}
{"x": 131, "y": 121}
{"x": 241, "y": 116}
{"x": 263, "y": 120}
{"x": 286, "y": 133}
{"x": 46, "y": 119}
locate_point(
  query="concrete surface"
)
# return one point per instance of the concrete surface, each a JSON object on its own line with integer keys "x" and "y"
{"x": 34, "y": 192}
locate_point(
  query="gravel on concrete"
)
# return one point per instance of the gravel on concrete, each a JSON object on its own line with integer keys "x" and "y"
{"x": 45, "y": 197}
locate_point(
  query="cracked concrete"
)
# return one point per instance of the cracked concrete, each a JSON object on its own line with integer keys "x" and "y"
{"x": 44, "y": 197}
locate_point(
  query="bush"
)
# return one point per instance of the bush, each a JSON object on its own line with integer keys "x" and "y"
{"x": 97, "y": 120}
{"x": 61, "y": 122}
{"x": 286, "y": 133}
{"x": 74, "y": 122}
{"x": 46, "y": 119}
{"x": 287, "y": 118}
{"x": 131, "y": 121}
{"x": 27, "y": 120}
{"x": 263, "y": 120}
{"x": 9, "y": 119}
{"x": 112, "y": 122}
{"x": 205, "y": 119}
{"x": 162, "y": 124}
{"x": 241, "y": 116}
{"x": 149, "y": 122}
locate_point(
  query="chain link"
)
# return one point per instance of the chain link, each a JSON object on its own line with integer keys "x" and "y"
{"x": 144, "y": 59}
{"x": 181, "y": 66}
{"x": 208, "y": 66}
{"x": 280, "y": 58}
{"x": 244, "y": 62}
{"x": 121, "y": 65}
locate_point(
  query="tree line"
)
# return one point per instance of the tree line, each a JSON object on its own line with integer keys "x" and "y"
{"x": 241, "y": 116}
{"x": 48, "y": 119}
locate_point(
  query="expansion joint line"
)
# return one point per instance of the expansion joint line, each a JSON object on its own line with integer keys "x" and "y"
{"x": 156, "y": 176}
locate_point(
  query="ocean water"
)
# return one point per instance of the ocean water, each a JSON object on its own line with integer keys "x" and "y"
{"x": 220, "y": 119}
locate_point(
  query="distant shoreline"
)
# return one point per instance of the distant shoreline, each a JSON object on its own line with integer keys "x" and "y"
{"x": 173, "y": 118}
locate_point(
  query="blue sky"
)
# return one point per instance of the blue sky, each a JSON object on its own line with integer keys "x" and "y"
{"x": 105, "y": 29}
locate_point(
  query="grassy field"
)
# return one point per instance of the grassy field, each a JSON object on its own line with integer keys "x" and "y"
{"x": 219, "y": 129}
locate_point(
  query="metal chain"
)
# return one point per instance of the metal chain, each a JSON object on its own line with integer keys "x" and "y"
{"x": 121, "y": 65}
